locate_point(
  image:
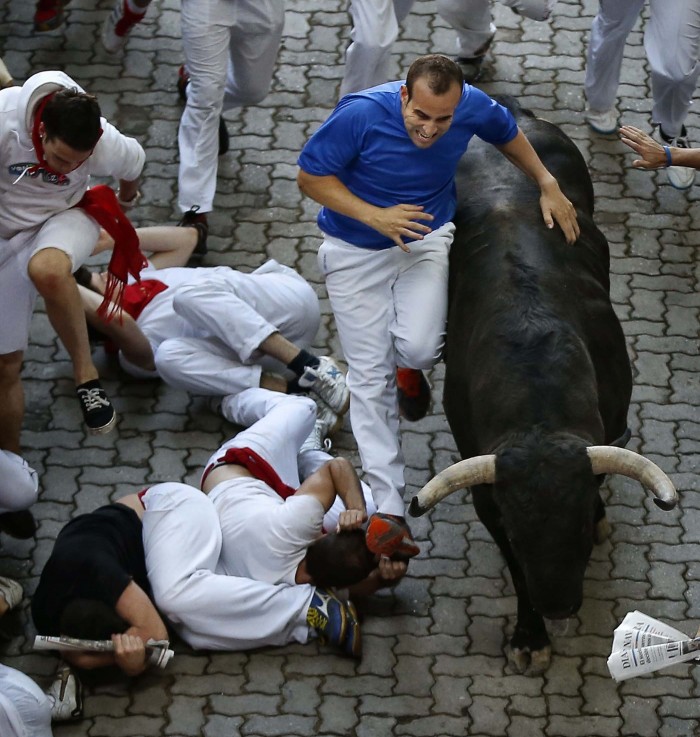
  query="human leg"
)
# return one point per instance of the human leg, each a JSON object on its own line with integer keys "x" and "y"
{"x": 253, "y": 47}
{"x": 206, "y": 55}
{"x": 533, "y": 9}
{"x": 277, "y": 425}
{"x": 473, "y": 23}
{"x": 606, "y": 47}
{"x": 182, "y": 540}
{"x": 11, "y": 400}
{"x": 19, "y": 487}
{"x": 24, "y": 708}
{"x": 118, "y": 24}
{"x": 375, "y": 26}
{"x": 359, "y": 284}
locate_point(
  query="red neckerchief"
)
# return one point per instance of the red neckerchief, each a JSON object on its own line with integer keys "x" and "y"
{"x": 138, "y": 296}
{"x": 257, "y": 465}
{"x": 101, "y": 203}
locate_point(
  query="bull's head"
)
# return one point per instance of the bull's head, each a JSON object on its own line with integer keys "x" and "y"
{"x": 546, "y": 503}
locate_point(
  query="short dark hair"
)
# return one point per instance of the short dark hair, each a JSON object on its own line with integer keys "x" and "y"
{"x": 74, "y": 118}
{"x": 90, "y": 619}
{"x": 339, "y": 559}
{"x": 440, "y": 72}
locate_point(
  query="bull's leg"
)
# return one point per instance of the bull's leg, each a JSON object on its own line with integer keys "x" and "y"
{"x": 529, "y": 648}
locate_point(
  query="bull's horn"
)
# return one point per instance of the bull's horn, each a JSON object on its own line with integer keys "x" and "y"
{"x": 606, "y": 459}
{"x": 470, "y": 472}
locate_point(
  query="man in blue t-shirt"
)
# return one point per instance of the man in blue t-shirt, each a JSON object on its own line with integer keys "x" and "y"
{"x": 383, "y": 167}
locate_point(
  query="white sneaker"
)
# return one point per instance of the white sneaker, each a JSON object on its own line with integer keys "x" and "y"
{"x": 317, "y": 439}
{"x": 11, "y": 592}
{"x": 327, "y": 381}
{"x": 602, "y": 121}
{"x": 680, "y": 177}
{"x": 117, "y": 26}
{"x": 66, "y": 696}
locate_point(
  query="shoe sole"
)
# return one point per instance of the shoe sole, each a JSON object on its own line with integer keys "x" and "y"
{"x": 386, "y": 537}
{"x": 354, "y": 632}
{"x": 105, "y": 428}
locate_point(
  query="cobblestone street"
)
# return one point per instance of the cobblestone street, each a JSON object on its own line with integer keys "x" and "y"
{"x": 433, "y": 663}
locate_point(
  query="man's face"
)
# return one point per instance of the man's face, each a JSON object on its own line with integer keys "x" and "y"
{"x": 59, "y": 155}
{"x": 428, "y": 116}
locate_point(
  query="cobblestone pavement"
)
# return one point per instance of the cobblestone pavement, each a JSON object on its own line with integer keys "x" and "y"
{"x": 433, "y": 662}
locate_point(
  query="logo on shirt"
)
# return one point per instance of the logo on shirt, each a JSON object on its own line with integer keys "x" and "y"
{"x": 49, "y": 177}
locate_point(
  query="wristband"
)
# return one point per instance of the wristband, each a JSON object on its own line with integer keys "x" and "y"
{"x": 667, "y": 151}
{"x": 128, "y": 204}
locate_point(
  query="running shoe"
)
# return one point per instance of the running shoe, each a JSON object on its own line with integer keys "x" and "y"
{"x": 414, "y": 394}
{"x": 98, "y": 413}
{"x": 327, "y": 381}
{"x": 389, "y": 535}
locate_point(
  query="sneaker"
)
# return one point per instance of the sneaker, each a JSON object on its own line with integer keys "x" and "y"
{"x": 66, "y": 696}
{"x": 198, "y": 220}
{"x": 328, "y": 615}
{"x": 680, "y": 177}
{"x": 183, "y": 79}
{"x": 11, "y": 592}
{"x": 49, "y": 15}
{"x": 98, "y": 413}
{"x": 471, "y": 66}
{"x": 389, "y": 535}
{"x": 352, "y": 646}
{"x": 317, "y": 439}
{"x": 602, "y": 121}
{"x": 331, "y": 421}
{"x": 20, "y": 525}
{"x": 414, "y": 394}
{"x": 117, "y": 26}
{"x": 327, "y": 381}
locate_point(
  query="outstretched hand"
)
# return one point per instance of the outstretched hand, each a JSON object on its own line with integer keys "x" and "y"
{"x": 652, "y": 152}
{"x": 556, "y": 207}
{"x": 401, "y": 221}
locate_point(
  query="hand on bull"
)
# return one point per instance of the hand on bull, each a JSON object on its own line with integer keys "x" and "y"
{"x": 556, "y": 207}
{"x": 652, "y": 153}
{"x": 400, "y": 221}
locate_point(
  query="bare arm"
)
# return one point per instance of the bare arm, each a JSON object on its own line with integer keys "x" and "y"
{"x": 124, "y": 332}
{"x": 338, "y": 477}
{"x": 653, "y": 155}
{"x": 555, "y": 206}
{"x": 392, "y": 222}
{"x": 387, "y": 573}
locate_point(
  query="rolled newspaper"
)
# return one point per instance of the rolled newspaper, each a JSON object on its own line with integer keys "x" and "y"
{"x": 642, "y": 645}
{"x": 159, "y": 657}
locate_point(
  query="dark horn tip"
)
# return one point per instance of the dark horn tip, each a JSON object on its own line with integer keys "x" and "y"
{"x": 661, "y": 504}
{"x": 416, "y": 509}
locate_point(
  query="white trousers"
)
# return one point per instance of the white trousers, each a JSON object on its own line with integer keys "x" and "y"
{"x": 672, "y": 45}
{"x": 473, "y": 21}
{"x": 375, "y": 26}
{"x": 230, "y": 317}
{"x": 25, "y": 710}
{"x": 19, "y": 483}
{"x": 230, "y": 51}
{"x": 182, "y": 540}
{"x": 390, "y": 309}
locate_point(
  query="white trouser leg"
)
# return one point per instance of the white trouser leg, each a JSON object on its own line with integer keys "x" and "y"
{"x": 182, "y": 540}
{"x": 606, "y": 47}
{"x": 370, "y": 308}
{"x": 25, "y": 710}
{"x": 533, "y": 9}
{"x": 375, "y": 26}
{"x": 472, "y": 21}
{"x": 253, "y": 47}
{"x": 310, "y": 461}
{"x": 206, "y": 56}
{"x": 277, "y": 425}
{"x": 672, "y": 44}
{"x": 19, "y": 483}
{"x": 204, "y": 366}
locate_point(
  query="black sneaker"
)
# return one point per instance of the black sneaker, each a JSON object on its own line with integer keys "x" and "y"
{"x": 18, "y": 524}
{"x": 98, "y": 413}
{"x": 471, "y": 65}
{"x": 414, "y": 394}
{"x": 197, "y": 220}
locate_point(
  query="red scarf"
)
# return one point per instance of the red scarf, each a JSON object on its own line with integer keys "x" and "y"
{"x": 138, "y": 296}
{"x": 257, "y": 465}
{"x": 101, "y": 203}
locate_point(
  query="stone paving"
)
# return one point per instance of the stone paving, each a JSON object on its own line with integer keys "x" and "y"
{"x": 433, "y": 662}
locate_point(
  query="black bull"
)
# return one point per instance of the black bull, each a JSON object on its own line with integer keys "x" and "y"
{"x": 537, "y": 371}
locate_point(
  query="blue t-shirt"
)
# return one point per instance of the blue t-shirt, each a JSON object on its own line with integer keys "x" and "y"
{"x": 365, "y": 144}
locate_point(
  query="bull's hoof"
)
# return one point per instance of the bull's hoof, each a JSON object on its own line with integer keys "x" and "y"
{"x": 529, "y": 662}
{"x": 601, "y": 531}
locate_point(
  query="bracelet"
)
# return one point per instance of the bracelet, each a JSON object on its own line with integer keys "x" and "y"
{"x": 128, "y": 204}
{"x": 667, "y": 151}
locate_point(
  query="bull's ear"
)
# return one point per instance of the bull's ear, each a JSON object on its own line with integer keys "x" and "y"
{"x": 606, "y": 459}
